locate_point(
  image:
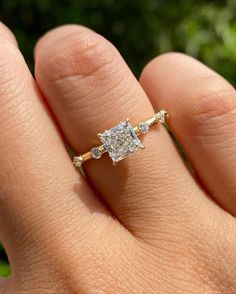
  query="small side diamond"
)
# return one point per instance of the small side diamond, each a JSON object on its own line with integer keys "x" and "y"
{"x": 143, "y": 127}
{"x": 96, "y": 153}
{"x": 77, "y": 161}
{"x": 161, "y": 116}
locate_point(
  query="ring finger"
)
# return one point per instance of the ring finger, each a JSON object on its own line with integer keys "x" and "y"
{"x": 89, "y": 89}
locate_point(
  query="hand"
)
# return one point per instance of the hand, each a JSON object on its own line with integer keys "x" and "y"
{"x": 147, "y": 225}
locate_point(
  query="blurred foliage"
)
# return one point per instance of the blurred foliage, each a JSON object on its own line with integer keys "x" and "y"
{"x": 4, "y": 265}
{"x": 140, "y": 29}
{"x": 4, "y": 269}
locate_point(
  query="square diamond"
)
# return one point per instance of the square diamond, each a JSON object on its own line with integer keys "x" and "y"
{"x": 120, "y": 141}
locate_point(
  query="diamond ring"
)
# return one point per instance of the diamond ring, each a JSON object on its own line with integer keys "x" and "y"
{"x": 121, "y": 140}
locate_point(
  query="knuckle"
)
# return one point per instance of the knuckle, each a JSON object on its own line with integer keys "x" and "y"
{"x": 85, "y": 54}
{"x": 164, "y": 58}
{"x": 214, "y": 107}
{"x": 87, "y": 62}
{"x": 216, "y": 98}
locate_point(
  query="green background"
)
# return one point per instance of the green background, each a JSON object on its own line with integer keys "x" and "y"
{"x": 141, "y": 29}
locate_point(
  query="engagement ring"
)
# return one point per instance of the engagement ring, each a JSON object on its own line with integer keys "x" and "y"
{"x": 121, "y": 140}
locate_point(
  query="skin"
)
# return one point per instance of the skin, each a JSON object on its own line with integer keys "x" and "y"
{"x": 147, "y": 225}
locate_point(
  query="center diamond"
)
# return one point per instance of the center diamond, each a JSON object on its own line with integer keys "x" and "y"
{"x": 120, "y": 141}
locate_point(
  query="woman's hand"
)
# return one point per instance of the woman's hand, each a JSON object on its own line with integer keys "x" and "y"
{"x": 146, "y": 225}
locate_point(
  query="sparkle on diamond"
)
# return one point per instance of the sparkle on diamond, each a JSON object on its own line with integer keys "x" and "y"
{"x": 120, "y": 141}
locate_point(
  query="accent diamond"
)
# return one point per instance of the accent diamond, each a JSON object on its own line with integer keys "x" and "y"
{"x": 161, "y": 116}
{"x": 96, "y": 153}
{"x": 120, "y": 141}
{"x": 77, "y": 161}
{"x": 143, "y": 127}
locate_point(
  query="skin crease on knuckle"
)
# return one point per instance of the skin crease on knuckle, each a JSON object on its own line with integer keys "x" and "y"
{"x": 79, "y": 61}
{"x": 215, "y": 109}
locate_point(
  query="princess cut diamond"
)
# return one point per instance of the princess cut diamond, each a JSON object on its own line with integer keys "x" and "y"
{"x": 120, "y": 141}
